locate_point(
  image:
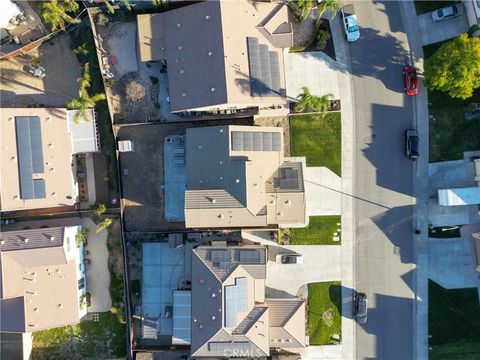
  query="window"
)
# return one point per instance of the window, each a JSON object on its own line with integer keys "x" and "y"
{"x": 81, "y": 283}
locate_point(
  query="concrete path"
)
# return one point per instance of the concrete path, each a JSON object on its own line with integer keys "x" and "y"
{"x": 321, "y": 352}
{"x": 434, "y": 32}
{"x": 98, "y": 276}
{"x": 320, "y": 263}
{"x": 452, "y": 263}
{"x": 122, "y": 42}
{"x": 323, "y": 191}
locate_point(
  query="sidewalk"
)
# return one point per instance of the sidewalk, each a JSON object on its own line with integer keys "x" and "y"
{"x": 420, "y": 187}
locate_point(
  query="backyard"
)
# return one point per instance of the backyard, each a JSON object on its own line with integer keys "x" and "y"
{"x": 453, "y": 323}
{"x": 320, "y": 231}
{"x": 318, "y": 139}
{"x": 324, "y": 312}
{"x": 450, "y": 132}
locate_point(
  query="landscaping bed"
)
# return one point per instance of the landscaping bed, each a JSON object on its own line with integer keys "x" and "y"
{"x": 320, "y": 231}
{"x": 324, "y": 312}
{"x": 453, "y": 323}
{"x": 320, "y": 140}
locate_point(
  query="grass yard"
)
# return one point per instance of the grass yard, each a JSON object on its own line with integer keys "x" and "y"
{"x": 324, "y": 312}
{"x": 423, "y": 7}
{"x": 450, "y": 132}
{"x": 319, "y": 231}
{"x": 453, "y": 323}
{"x": 320, "y": 140}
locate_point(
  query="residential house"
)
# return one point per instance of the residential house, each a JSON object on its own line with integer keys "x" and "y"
{"x": 472, "y": 9}
{"x": 238, "y": 176}
{"x": 221, "y": 56}
{"x": 43, "y": 282}
{"x": 230, "y": 314}
{"x": 37, "y": 166}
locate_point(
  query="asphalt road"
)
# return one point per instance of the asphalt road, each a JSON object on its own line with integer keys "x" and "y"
{"x": 383, "y": 183}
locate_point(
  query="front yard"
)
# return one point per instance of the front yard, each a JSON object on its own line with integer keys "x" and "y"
{"x": 453, "y": 323}
{"x": 324, "y": 312}
{"x": 320, "y": 231}
{"x": 450, "y": 132}
{"x": 320, "y": 140}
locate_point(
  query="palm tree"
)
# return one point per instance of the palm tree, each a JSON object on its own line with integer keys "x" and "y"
{"x": 328, "y": 5}
{"x": 311, "y": 103}
{"x": 84, "y": 100}
{"x": 55, "y": 13}
{"x": 301, "y": 9}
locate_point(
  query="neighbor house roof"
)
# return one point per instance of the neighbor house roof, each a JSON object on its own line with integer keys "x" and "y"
{"x": 36, "y": 156}
{"x": 39, "y": 287}
{"x": 220, "y": 52}
{"x": 229, "y": 309}
{"x": 237, "y": 176}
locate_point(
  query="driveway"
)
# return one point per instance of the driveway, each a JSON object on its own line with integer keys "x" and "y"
{"x": 98, "y": 276}
{"x": 320, "y": 263}
{"x": 434, "y": 32}
{"x": 323, "y": 191}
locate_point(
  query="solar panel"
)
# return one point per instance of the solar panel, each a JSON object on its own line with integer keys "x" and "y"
{"x": 256, "y": 141}
{"x": 233, "y": 347}
{"x": 275, "y": 72}
{"x": 220, "y": 256}
{"x": 241, "y": 284}
{"x": 230, "y": 306}
{"x": 288, "y": 179}
{"x": 256, "y": 87}
{"x": 30, "y": 156}
{"x": 264, "y": 69}
{"x": 249, "y": 257}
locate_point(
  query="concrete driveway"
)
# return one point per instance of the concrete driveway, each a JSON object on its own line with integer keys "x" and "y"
{"x": 320, "y": 263}
{"x": 434, "y": 32}
{"x": 322, "y": 191}
{"x": 98, "y": 276}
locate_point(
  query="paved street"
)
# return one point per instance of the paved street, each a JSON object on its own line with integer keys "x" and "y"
{"x": 383, "y": 184}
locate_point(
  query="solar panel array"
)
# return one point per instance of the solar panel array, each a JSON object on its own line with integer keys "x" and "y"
{"x": 220, "y": 256}
{"x": 249, "y": 257}
{"x": 288, "y": 179}
{"x": 235, "y": 301}
{"x": 30, "y": 157}
{"x": 232, "y": 347}
{"x": 264, "y": 69}
{"x": 256, "y": 141}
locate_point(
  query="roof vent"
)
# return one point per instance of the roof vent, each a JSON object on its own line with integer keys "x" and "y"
{"x": 212, "y": 89}
{"x": 184, "y": 94}
{"x": 210, "y": 53}
{"x": 182, "y": 71}
{"x": 52, "y": 238}
{"x": 195, "y": 319}
{"x": 201, "y": 281}
{"x": 36, "y": 309}
{"x": 26, "y": 240}
{"x": 214, "y": 295}
{"x": 288, "y": 202}
{"x": 13, "y": 158}
{"x": 237, "y": 181}
{"x": 213, "y": 201}
{"x": 213, "y": 317}
{"x": 180, "y": 47}
{"x": 221, "y": 216}
{"x": 2, "y": 242}
{"x": 60, "y": 306}
{"x": 280, "y": 213}
{"x": 199, "y": 147}
{"x": 207, "y": 17}
{"x": 178, "y": 25}
{"x": 255, "y": 184}
{"x": 200, "y": 326}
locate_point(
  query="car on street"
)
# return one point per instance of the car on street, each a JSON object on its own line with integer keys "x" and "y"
{"x": 360, "y": 307}
{"x": 289, "y": 259}
{"x": 411, "y": 144}
{"x": 410, "y": 83}
{"x": 445, "y": 13}
{"x": 350, "y": 23}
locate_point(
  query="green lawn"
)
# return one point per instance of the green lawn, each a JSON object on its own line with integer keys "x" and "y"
{"x": 324, "y": 312}
{"x": 453, "y": 323}
{"x": 320, "y": 140}
{"x": 423, "y": 7}
{"x": 319, "y": 231}
{"x": 450, "y": 133}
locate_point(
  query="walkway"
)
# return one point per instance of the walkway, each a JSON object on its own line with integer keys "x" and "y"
{"x": 323, "y": 191}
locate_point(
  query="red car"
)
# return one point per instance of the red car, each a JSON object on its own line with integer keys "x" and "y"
{"x": 410, "y": 84}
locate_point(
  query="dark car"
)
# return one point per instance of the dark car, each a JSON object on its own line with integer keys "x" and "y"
{"x": 410, "y": 84}
{"x": 289, "y": 259}
{"x": 361, "y": 304}
{"x": 412, "y": 144}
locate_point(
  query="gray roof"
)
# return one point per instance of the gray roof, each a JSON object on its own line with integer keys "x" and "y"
{"x": 12, "y": 315}
{"x": 31, "y": 239}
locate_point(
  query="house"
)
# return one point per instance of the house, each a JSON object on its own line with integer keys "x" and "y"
{"x": 43, "y": 282}
{"x": 230, "y": 314}
{"x": 238, "y": 176}
{"x": 472, "y": 9}
{"x": 221, "y": 56}
{"x": 37, "y": 164}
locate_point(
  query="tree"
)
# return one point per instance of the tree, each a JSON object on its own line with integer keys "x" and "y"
{"x": 104, "y": 224}
{"x": 455, "y": 67}
{"x": 84, "y": 100}
{"x": 311, "y": 103}
{"x": 81, "y": 237}
{"x": 100, "y": 209}
{"x": 322, "y": 37}
{"x": 301, "y": 9}
{"x": 102, "y": 19}
{"x": 328, "y": 5}
{"x": 55, "y": 13}
{"x": 127, "y": 5}
{"x": 109, "y": 6}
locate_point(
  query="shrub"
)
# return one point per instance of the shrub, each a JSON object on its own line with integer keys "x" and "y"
{"x": 104, "y": 224}
{"x": 322, "y": 38}
{"x": 100, "y": 209}
{"x": 102, "y": 19}
{"x": 81, "y": 237}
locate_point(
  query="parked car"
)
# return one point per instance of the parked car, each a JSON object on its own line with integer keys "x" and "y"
{"x": 289, "y": 259}
{"x": 411, "y": 144}
{"x": 445, "y": 13}
{"x": 410, "y": 83}
{"x": 360, "y": 307}
{"x": 350, "y": 23}
{"x": 7, "y": 221}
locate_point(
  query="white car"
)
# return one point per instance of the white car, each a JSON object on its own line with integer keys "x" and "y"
{"x": 289, "y": 259}
{"x": 350, "y": 23}
{"x": 445, "y": 13}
